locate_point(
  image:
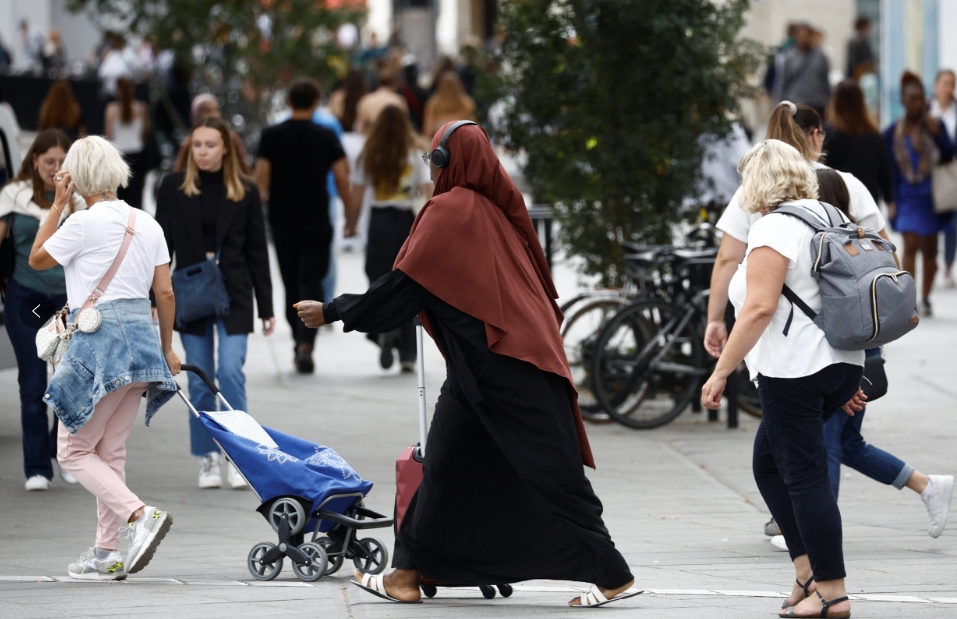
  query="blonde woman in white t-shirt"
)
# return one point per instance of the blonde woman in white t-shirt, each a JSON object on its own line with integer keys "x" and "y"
{"x": 802, "y": 380}
{"x": 97, "y": 386}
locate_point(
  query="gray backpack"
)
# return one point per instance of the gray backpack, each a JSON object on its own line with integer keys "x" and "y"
{"x": 866, "y": 300}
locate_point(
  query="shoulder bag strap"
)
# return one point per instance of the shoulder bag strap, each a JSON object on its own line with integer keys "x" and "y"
{"x": 804, "y": 215}
{"x": 101, "y": 288}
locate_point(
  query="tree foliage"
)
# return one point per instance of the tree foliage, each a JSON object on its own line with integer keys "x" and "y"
{"x": 609, "y": 99}
{"x": 247, "y": 46}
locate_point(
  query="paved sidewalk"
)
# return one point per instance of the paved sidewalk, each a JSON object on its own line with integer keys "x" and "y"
{"x": 680, "y": 501}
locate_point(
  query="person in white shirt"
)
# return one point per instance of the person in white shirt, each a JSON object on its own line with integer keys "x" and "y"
{"x": 108, "y": 368}
{"x": 943, "y": 106}
{"x": 800, "y": 127}
{"x": 803, "y": 381}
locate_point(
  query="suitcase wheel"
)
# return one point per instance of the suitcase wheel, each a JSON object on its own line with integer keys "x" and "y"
{"x": 429, "y": 590}
{"x": 488, "y": 592}
{"x": 505, "y": 590}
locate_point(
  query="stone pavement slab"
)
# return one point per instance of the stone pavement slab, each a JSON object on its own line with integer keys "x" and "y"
{"x": 680, "y": 501}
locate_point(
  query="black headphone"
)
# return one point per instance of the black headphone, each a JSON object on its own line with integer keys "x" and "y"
{"x": 440, "y": 156}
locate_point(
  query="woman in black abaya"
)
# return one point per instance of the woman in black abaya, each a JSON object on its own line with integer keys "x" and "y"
{"x": 504, "y": 497}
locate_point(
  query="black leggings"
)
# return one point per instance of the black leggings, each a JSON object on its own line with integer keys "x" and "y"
{"x": 790, "y": 461}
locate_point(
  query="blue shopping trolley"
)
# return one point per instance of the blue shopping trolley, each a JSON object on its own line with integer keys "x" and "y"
{"x": 303, "y": 488}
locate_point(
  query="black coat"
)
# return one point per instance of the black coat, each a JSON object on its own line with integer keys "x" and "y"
{"x": 241, "y": 237}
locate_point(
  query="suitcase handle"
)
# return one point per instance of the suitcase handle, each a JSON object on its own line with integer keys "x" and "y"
{"x": 202, "y": 375}
{"x": 423, "y": 413}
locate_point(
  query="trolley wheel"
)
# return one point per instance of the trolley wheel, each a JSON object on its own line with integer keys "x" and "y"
{"x": 334, "y": 560}
{"x": 317, "y": 569}
{"x": 292, "y": 509}
{"x": 505, "y": 590}
{"x": 370, "y": 555}
{"x": 429, "y": 590}
{"x": 488, "y": 591}
{"x": 260, "y": 570}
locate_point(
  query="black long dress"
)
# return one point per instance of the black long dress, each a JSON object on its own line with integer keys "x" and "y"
{"x": 504, "y": 497}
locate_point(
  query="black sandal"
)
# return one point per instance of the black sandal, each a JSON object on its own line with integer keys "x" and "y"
{"x": 804, "y": 586}
{"x": 825, "y": 605}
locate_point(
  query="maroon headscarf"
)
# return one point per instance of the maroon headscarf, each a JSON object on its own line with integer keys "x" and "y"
{"x": 473, "y": 246}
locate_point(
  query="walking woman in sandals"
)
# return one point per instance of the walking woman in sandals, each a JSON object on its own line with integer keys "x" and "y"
{"x": 803, "y": 380}
{"x": 112, "y": 255}
{"x": 507, "y": 437}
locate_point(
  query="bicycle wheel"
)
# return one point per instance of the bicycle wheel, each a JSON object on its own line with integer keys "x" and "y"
{"x": 579, "y": 332}
{"x": 648, "y": 364}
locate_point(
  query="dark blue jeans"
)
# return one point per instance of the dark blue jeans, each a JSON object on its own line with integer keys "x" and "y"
{"x": 790, "y": 462}
{"x": 39, "y": 440}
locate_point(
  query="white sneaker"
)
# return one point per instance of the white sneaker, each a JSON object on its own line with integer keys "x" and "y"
{"x": 778, "y": 542}
{"x": 209, "y": 476}
{"x": 235, "y": 480}
{"x": 88, "y": 567}
{"x": 145, "y": 535}
{"x": 67, "y": 476}
{"x": 36, "y": 483}
{"x": 936, "y": 497}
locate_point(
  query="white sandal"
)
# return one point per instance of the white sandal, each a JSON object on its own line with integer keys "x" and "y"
{"x": 594, "y": 597}
{"x": 374, "y": 584}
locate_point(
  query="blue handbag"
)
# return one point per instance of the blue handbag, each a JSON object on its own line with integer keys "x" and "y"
{"x": 200, "y": 291}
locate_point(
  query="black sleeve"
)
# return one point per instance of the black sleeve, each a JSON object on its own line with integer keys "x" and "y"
{"x": 392, "y": 299}
{"x": 257, "y": 253}
{"x": 333, "y": 146}
{"x": 265, "y": 142}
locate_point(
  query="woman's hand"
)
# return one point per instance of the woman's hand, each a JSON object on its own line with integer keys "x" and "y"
{"x": 64, "y": 190}
{"x": 311, "y": 313}
{"x": 715, "y": 337}
{"x": 712, "y": 391}
{"x": 891, "y": 210}
{"x": 857, "y": 403}
{"x": 172, "y": 360}
{"x": 269, "y": 325}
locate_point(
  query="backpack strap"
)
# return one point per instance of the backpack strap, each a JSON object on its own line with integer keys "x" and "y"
{"x": 803, "y": 214}
{"x": 791, "y": 296}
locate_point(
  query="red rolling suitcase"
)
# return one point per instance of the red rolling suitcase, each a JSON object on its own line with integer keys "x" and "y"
{"x": 408, "y": 475}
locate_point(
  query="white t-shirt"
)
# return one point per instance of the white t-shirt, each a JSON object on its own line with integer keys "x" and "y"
{"x": 863, "y": 210}
{"x": 415, "y": 175}
{"x": 89, "y": 241}
{"x": 804, "y": 350}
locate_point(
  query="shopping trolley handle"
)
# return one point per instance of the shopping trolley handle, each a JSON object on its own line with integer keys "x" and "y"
{"x": 202, "y": 375}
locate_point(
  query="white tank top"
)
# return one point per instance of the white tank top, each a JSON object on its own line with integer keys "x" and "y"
{"x": 128, "y": 137}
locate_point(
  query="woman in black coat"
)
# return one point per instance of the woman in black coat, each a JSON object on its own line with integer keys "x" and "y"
{"x": 205, "y": 211}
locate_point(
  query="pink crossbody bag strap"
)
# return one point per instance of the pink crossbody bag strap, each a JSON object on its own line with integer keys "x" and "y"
{"x": 101, "y": 287}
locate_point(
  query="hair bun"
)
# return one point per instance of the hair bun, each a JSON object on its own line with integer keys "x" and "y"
{"x": 791, "y": 107}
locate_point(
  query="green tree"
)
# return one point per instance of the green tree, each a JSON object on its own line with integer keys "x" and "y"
{"x": 242, "y": 46}
{"x": 609, "y": 99}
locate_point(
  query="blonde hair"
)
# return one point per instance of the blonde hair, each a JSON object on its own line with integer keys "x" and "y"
{"x": 773, "y": 173}
{"x": 232, "y": 175}
{"x": 96, "y": 167}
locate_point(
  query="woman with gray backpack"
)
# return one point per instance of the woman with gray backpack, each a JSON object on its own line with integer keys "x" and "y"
{"x": 807, "y": 370}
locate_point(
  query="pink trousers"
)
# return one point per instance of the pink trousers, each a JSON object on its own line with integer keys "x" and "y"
{"x": 96, "y": 456}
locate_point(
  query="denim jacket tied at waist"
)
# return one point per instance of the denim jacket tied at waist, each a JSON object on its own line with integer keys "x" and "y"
{"x": 125, "y": 349}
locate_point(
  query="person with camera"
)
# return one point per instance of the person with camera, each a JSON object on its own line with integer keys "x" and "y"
{"x": 25, "y": 204}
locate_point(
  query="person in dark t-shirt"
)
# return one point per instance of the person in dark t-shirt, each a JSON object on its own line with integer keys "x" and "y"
{"x": 294, "y": 159}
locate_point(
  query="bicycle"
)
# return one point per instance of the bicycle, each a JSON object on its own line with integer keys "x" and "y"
{"x": 649, "y": 362}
